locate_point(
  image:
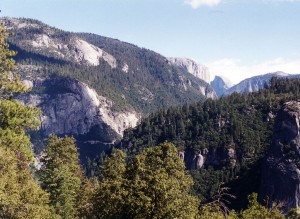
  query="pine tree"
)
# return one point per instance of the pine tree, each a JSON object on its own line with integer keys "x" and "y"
{"x": 158, "y": 185}
{"x": 256, "y": 210}
{"x": 10, "y": 82}
{"x": 62, "y": 177}
{"x": 20, "y": 194}
{"x": 153, "y": 185}
{"x": 110, "y": 198}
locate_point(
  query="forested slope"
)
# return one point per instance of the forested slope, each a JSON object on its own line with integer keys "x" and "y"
{"x": 220, "y": 141}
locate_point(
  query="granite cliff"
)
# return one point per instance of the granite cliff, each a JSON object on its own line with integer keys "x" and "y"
{"x": 70, "y": 107}
{"x": 198, "y": 70}
{"x": 281, "y": 169}
{"x": 205, "y": 157}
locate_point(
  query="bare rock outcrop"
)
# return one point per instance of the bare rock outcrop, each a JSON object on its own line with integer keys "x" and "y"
{"x": 214, "y": 157}
{"x": 200, "y": 71}
{"x": 74, "y": 49}
{"x": 71, "y": 107}
{"x": 281, "y": 169}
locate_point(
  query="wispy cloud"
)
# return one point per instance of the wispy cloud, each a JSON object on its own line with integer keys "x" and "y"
{"x": 281, "y": 1}
{"x": 197, "y": 3}
{"x": 236, "y": 71}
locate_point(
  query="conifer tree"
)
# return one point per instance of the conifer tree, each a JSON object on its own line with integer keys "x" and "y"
{"x": 63, "y": 178}
{"x": 256, "y": 210}
{"x": 158, "y": 185}
{"x": 110, "y": 198}
{"x": 10, "y": 82}
{"x": 153, "y": 185}
{"x": 20, "y": 194}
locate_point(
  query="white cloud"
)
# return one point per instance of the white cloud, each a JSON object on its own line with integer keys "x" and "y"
{"x": 197, "y": 3}
{"x": 236, "y": 71}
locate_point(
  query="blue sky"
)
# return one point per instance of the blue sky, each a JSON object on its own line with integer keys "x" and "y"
{"x": 234, "y": 38}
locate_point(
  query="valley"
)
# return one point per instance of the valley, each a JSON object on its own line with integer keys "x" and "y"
{"x": 121, "y": 124}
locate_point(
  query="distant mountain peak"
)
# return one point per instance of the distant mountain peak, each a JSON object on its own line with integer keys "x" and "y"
{"x": 226, "y": 80}
{"x": 257, "y": 82}
{"x": 278, "y": 73}
{"x": 221, "y": 84}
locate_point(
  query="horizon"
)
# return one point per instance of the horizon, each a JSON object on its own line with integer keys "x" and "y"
{"x": 234, "y": 39}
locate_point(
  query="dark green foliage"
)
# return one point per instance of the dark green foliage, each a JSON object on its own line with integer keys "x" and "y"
{"x": 206, "y": 182}
{"x": 255, "y": 210}
{"x": 293, "y": 214}
{"x": 243, "y": 122}
{"x": 152, "y": 184}
{"x": 20, "y": 194}
{"x": 62, "y": 176}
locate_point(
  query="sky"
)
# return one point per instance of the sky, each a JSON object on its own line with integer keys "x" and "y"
{"x": 234, "y": 38}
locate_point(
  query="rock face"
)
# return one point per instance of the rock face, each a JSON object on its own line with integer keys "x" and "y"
{"x": 71, "y": 107}
{"x": 205, "y": 157}
{"x": 208, "y": 93}
{"x": 281, "y": 169}
{"x": 200, "y": 71}
{"x": 220, "y": 85}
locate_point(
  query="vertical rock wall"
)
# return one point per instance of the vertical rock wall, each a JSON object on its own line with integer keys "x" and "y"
{"x": 281, "y": 173}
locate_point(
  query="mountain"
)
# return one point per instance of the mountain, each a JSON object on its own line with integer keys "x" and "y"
{"x": 94, "y": 87}
{"x": 100, "y": 89}
{"x": 257, "y": 82}
{"x": 220, "y": 85}
{"x": 200, "y": 71}
{"x": 132, "y": 77}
